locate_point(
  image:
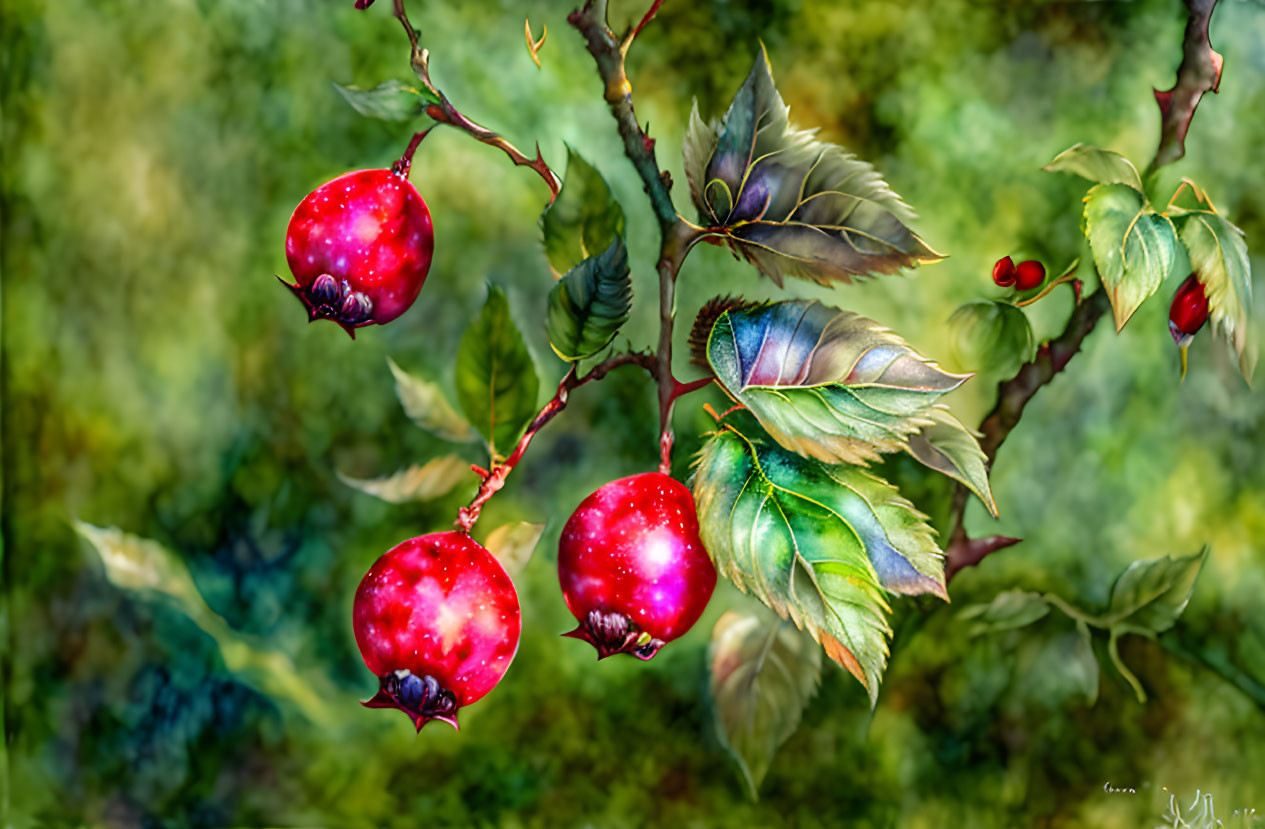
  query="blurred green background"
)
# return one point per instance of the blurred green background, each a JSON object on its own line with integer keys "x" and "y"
{"x": 157, "y": 379}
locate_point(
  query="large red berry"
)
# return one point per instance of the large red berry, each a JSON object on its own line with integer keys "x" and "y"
{"x": 359, "y": 247}
{"x": 1029, "y": 274}
{"x": 1004, "y": 272}
{"x": 437, "y": 621}
{"x": 633, "y": 571}
{"x": 1189, "y": 310}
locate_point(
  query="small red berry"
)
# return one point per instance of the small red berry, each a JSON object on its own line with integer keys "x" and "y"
{"x": 1188, "y": 312}
{"x": 363, "y": 4}
{"x": 633, "y": 570}
{"x": 437, "y": 621}
{"x": 1029, "y": 274}
{"x": 1004, "y": 272}
{"x": 360, "y": 247}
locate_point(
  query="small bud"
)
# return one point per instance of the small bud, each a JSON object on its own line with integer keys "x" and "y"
{"x": 356, "y": 308}
{"x": 324, "y": 290}
{"x": 363, "y": 4}
{"x": 1189, "y": 311}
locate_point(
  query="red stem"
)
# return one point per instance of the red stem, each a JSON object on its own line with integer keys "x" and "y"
{"x": 494, "y": 479}
{"x": 405, "y": 163}
{"x": 654, "y": 9}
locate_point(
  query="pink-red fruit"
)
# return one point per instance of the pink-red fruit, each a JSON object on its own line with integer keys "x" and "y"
{"x": 360, "y": 247}
{"x": 1189, "y": 311}
{"x": 437, "y": 621}
{"x": 1029, "y": 274}
{"x": 633, "y": 570}
{"x": 1004, "y": 272}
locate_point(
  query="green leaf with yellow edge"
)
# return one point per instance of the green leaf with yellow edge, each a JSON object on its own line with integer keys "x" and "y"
{"x": 1218, "y": 255}
{"x": 1133, "y": 246}
{"x": 512, "y": 544}
{"x": 437, "y": 477}
{"x": 818, "y": 544}
{"x": 1096, "y": 164}
{"x": 791, "y": 204}
{"x": 588, "y": 306}
{"x": 388, "y": 101}
{"x": 825, "y": 383}
{"x": 425, "y": 404}
{"x": 950, "y": 448}
{"x": 763, "y": 672}
{"x": 497, "y": 383}
{"x": 583, "y": 220}
{"x": 141, "y": 565}
{"x": 991, "y": 336}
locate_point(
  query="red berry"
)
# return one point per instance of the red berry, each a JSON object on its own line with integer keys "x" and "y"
{"x": 1029, "y": 274}
{"x": 360, "y": 247}
{"x": 1189, "y": 310}
{"x": 1004, "y": 272}
{"x": 437, "y": 621}
{"x": 634, "y": 572}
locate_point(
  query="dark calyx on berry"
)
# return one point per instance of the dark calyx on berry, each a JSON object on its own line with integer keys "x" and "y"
{"x": 1188, "y": 312}
{"x": 421, "y": 697}
{"x": 613, "y": 633}
{"x": 329, "y": 299}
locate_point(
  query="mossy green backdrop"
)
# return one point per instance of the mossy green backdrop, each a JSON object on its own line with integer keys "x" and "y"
{"x": 157, "y": 379}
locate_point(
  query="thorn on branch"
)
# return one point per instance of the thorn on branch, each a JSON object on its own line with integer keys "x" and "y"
{"x": 967, "y": 552}
{"x": 1199, "y": 72}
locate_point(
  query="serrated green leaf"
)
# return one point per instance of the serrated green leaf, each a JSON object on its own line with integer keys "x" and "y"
{"x": 789, "y": 203}
{"x": 512, "y": 544}
{"x": 496, "y": 378}
{"x": 1218, "y": 255}
{"x": 991, "y": 336}
{"x": 139, "y": 564}
{"x": 437, "y": 477}
{"x": 1096, "y": 164}
{"x": 1007, "y": 611}
{"x": 425, "y": 404}
{"x": 583, "y": 220}
{"x": 951, "y": 449}
{"x": 825, "y": 383}
{"x": 818, "y": 544}
{"x": 388, "y": 101}
{"x": 589, "y": 304}
{"x": 763, "y": 672}
{"x": 1150, "y": 594}
{"x": 1133, "y": 246}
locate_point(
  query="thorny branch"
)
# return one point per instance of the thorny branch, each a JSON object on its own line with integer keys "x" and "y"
{"x": 494, "y": 478}
{"x": 676, "y": 235}
{"x": 1200, "y": 72}
{"x": 445, "y": 113}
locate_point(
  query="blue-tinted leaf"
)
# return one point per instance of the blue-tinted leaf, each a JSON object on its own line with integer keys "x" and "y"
{"x": 818, "y": 544}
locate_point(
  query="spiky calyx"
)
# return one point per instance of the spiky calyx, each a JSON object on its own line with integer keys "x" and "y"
{"x": 422, "y": 698}
{"x": 612, "y": 633}
{"x": 707, "y": 316}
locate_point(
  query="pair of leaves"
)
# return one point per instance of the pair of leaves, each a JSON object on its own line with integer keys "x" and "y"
{"x": 819, "y": 544}
{"x": 791, "y": 204}
{"x": 837, "y": 387}
{"x": 584, "y": 240}
{"x": 1134, "y": 246}
{"x": 388, "y": 101}
{"x": 763, "y": 671}
{"x": 1146, "y": 599}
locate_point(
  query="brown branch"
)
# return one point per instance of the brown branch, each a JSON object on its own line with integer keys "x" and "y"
{"x": 445, "y": 113}
{"x": 494, "y": 478}
{"x": 1200, "y": 72}
{"x": 1012, "y": 397}
{"x": 676, "y": 235}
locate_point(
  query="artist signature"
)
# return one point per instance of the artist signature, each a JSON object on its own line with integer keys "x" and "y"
{"x": 1200, "y": 814}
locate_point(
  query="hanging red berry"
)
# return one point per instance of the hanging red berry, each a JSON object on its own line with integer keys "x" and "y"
{"x": 1029, "y": 274}
{"x": 437, "y": 621}
{"x": 360, "y": 247}
{"x": 633, "y": 570}
{"x": 1189, "y": 311}
{"x": 1004, "y": 272}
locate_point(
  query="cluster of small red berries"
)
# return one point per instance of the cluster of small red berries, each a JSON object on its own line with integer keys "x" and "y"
{"x": 1025, "y": 276}
{"x": 437, "y": 618}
